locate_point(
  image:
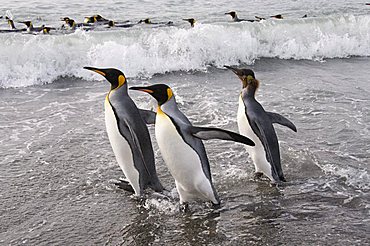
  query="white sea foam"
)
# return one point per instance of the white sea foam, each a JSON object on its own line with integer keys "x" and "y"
{"x": 38, "y": 59}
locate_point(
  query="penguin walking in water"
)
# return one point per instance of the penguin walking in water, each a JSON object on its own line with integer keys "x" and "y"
{"x": 182, "y": 148}
{"x": 256, "y": 123}
{"x": 128, "y": 134}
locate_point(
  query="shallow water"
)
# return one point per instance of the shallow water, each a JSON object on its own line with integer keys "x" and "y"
{"x": 57, "y": 169}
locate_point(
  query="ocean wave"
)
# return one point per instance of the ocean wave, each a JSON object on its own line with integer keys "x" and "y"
{"x": 140, "y": 51}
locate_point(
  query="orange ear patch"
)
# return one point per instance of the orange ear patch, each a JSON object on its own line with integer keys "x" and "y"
{"x": 121, "y": 80}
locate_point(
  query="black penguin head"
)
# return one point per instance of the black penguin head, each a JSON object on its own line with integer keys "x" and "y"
{"x": 71, "y": 22}
{"x": 277, "y": 16}
{"x": 146, "y": 21}
{"x": 111, "y": 23}
{"x": 65, "y": 19}
{"x": 89, "y": 19}
{"x": 245, "y": 75}
{"x": 232, "y": 13}
{"x": 161, "y": 92}
{"x": 114, "y": 76}
{"x": 99, "y": 18}
{"x": 191, "y": 21}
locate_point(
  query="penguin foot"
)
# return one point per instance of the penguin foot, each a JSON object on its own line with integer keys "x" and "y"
{"x": 161, "y": 196}
{"x": 124, "y": 185}
{"x": 216, "y": 205}
{"x": 257, "y": 176}
{"x": 184, "y": 207}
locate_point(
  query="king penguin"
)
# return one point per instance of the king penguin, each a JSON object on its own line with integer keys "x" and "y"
{"x": 182, "y": 148}
{"x": 191, "y": 21}
{"x": 128, "y": 133}
{"x": 256, "y": 123}
{"x": 31, "y": 28}
{"x": 235, "y": 17}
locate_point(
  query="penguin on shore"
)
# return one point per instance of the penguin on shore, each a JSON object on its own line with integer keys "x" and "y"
{"x": 257, "y": 124}
{"x": 182, "y": 148}
{"x": 235, "y": 18}
{"x": 129, "y": 135}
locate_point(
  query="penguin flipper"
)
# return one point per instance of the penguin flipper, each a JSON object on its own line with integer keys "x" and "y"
{"x": 154, "y": 181}
{"x": 279, "y": 119}
{"x": 136, "y": 143}
{"x": 148, "y": 116}
{"x": 207, "y": 133}
{"x": 258, "y": 128}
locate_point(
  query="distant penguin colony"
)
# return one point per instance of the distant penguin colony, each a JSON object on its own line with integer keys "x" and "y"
{"x": 97, "y": 21}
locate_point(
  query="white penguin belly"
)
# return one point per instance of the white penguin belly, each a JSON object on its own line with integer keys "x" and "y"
{"x": 183, "y": 162}
{"x": 121, "y": 148}
{"x": 257, "y": 152}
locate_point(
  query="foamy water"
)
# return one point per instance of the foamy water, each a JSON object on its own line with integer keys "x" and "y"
{"x": 140, "y": 51}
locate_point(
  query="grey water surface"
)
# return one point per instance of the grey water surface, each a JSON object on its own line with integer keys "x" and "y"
{"x": 57, "y": 168}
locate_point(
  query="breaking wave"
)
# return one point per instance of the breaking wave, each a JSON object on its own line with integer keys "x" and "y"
{"x": 140, "y": 51}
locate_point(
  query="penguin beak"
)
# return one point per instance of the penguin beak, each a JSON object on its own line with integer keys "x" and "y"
{"x": 144, "y": 89}
{"x": 235, "y": 70}
{"x": 96, "y": 70}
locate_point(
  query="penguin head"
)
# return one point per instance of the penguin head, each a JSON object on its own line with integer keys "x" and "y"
{"x": 146, "y": 21}
{"x": 161, "y": 92}
{"x": 98, "y": 17}
{"x": 10, "y": 22}
{"x": 114, "y": 76}
{"x": 65, "y": 19}
{"x": 191, "y": 21}
{"x": 111, "y": 23}
{"x": 71, "y": 23}
{"x": 89, "y": 19}
{"x": 277, "y": 16}
{"x": 245, "y": 75}
{"x": 232, "y": 13}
